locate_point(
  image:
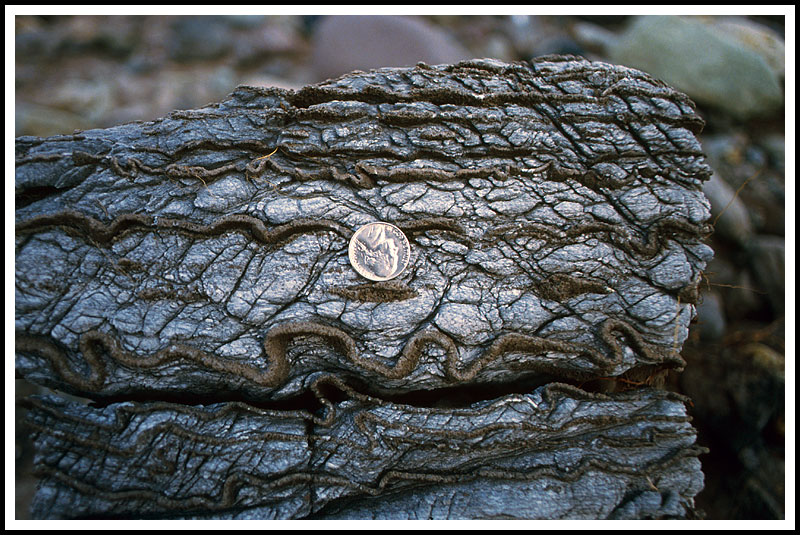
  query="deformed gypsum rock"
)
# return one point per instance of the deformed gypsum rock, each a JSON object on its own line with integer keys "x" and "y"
{"x": 554, "y": 209}
{"x": 573, "y": 454}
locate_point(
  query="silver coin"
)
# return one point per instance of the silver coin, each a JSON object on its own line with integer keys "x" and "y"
{"x": 379, "y": 251}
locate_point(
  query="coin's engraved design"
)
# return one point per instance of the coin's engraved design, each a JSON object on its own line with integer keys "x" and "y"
{"x": 379, "y": 251}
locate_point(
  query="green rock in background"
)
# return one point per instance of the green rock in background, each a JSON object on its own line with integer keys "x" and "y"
{"x": 731, "y": 64}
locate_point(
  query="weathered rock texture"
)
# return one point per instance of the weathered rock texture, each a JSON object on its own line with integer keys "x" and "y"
{"x": 191, "y": 276}
{"x": 555, "y": 453}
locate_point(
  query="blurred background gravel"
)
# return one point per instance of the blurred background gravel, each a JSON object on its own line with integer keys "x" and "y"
{"x": 82, "y": 72}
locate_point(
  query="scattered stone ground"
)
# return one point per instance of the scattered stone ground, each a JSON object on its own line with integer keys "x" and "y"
{"x": 82, "y": 72}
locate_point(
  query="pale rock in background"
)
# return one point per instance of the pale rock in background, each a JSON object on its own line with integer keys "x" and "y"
{"x": 346, "y": 43}
{"x": 716, "y": 64}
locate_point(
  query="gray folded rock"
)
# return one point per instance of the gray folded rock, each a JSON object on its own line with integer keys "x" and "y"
{"x": 557, "y": 452}
{"x": 191, "y": 277}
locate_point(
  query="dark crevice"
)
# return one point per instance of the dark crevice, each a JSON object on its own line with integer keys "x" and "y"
{"x": 34, "y": 194}
{"x": 335, "y": 390}
{"x": 306, "y": 401}
{"x": 463, "y": 396}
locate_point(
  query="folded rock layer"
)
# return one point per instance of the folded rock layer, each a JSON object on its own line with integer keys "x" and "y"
{"x": 191, "y": 276}
{"x": 557, "y": 452}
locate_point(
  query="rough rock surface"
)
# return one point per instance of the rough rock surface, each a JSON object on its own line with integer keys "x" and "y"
{"x": 191, "y": 276}
{"x": 558, "y": 446}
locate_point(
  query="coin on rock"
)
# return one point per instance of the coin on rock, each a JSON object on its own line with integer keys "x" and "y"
{"x": 379, "y": 251}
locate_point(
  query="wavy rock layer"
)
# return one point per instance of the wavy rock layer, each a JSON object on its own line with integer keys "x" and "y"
{"x": 556, "y": 220}
{"x": 574, "y": 455}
